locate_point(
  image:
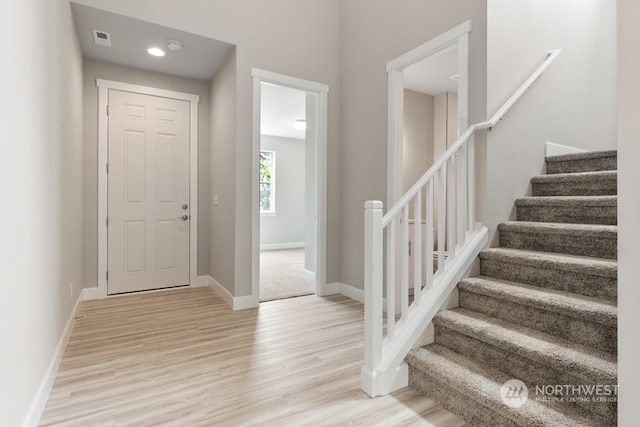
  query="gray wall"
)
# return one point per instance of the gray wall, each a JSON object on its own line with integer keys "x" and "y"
{"x": 222, "y": 173}
{"x": 417, "y": 150}
{"x": 572, "y": 104}
{"x": 266, "y": 37}
{"x": 97, "y": 69}
{"x": 375, "y": 32}
{"x": 628, "y": 208}
{"x": 288, "y": 224}
{"x": 41, "y": 185}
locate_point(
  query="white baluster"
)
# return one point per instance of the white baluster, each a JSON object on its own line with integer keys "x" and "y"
{"x": 417, "y": 246}
{"x": 404, "y": 256}
{"x": 451, "y": 209}
{"x": 372, "y": 284}
{"x": 429, "y": 244}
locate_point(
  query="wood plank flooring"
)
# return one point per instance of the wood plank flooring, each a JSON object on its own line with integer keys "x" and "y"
{"x": 183, "y": 358}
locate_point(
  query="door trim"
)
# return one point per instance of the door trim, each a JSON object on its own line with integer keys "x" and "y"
{"x": 103, "y": 100}
{"x": 458, "y": 36}
{"x": 322, "y": 91}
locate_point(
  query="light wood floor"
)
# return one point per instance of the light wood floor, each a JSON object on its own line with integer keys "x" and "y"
{"x": 183, "y": 358}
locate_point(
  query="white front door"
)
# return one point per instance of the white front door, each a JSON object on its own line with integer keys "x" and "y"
{"x": 148, "y": 192}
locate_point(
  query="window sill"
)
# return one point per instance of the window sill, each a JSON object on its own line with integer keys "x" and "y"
{"x": 267, "y": 214}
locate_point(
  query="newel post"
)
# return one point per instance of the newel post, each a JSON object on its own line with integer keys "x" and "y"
{"x": 372, "y": 295}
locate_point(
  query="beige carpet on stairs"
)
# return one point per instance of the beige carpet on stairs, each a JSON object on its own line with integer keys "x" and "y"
{"x": 282, "y": 275}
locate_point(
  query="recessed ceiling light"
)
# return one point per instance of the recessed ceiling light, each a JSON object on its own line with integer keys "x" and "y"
{"x": 155, "y": 51}
{"x": 300, "y": 124}
{"x": 174, "y": 45}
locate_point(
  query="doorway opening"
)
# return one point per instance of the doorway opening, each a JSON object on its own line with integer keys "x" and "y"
{"x": 428, "y": 109}
{"x": 288, "y": 256}
{"x": 434, "y": 78}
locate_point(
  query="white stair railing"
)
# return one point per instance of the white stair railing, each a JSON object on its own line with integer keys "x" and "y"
{"x": 416, "y": 287}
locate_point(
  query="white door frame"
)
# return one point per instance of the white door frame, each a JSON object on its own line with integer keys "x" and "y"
{"x": 458, "y": 36}
{"x": 103, "y": 127}
{"x": 322, "y": 91}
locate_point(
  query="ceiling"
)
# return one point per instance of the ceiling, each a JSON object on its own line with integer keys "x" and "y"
{"x": 432, "y": 75}
{"x": 200, "y": 57}
{"x": 280, "y": 105}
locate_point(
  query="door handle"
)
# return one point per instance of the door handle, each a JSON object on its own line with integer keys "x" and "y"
{"x": 184, "y": 217}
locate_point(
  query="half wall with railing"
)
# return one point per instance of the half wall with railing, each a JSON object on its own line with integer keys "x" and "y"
{"x": 431, "y": 239}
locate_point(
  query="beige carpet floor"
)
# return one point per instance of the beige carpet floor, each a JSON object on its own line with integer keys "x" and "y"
{"x": 282, "y": 275}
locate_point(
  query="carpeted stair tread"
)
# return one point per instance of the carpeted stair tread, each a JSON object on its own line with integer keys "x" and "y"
{"x": 594, "y": 277}
{"x": 569, "y": 201}
{"x": 592, "y": 240}
{"x": 569, "y": 209}
{"x": 577, "y": 306}
{"x": 472, "y": 391}
{"x": 590, "y": 230}
{"x": 593, "y": 266}
{"x": 590, "y": 365}
{"x": 588, "y": 321}
{"x": 582, "y": 162}
{"x": 598, "y": 183}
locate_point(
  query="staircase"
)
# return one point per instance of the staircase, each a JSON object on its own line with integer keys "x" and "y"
{"x": 543, "y": 310}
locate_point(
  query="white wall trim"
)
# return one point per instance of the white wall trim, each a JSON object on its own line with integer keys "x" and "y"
{"x": 552, "y": 149}
{"x": 282, "y": 79}
{"x": 42, "y": 395}
{"x": 322, "y": 91}
{"x": 147, "y": 90}
{"x": 221, "y": 291}
{"x": 103, "y": 100}
{"x": 351, "y": 292}
{"x": 203, "y": 282}
{"x": 276, "y": 246}
{"x": 235, "y": 303}
{"x": 431, "y": 47}
{"x": 309, "y": 275}
{"x": 89, "y": 294}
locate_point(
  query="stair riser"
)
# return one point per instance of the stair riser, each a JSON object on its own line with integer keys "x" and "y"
{"x": 602, "y": 187}
{"x": 590, "y": 334}
{"x": 583, "y": 165}
{"x": 592, "y": 246}
{"x": 602, "y": 215}
{"x": 455, "y": 401}
{"x": 523, "y": 368}
{"x": 576, "y": 282}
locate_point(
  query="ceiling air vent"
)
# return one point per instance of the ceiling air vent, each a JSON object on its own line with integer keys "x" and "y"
{"x": 102, "y": 38}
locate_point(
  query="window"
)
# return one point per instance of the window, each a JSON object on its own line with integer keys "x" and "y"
{"x": 267, "y": 182}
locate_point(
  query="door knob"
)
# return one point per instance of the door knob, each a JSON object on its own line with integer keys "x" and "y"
{"x": 184, "y": 217}
{"x": 185, "y": 206}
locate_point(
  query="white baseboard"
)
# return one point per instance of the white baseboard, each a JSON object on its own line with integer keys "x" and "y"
{"x": 552, "y": 149}
{"x": 276, "y": 246}
{"x": 350, "y": 292}
{"x": 42, "y": 396}
{"x": 203, "y": 282}
{"x": 310, "y": 275}
{"x": 89, "y": 294}
{"x": 329, "y": 289}
{"x": 236, "y": 303}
